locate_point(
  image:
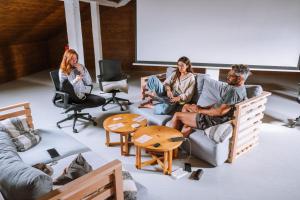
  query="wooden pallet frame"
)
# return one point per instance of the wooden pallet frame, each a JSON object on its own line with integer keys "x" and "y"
{"x": 102, "y": 183}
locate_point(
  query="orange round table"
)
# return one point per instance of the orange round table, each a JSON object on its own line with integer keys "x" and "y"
{"x": 127, "y": 120}
{"x": 153, "y": 135}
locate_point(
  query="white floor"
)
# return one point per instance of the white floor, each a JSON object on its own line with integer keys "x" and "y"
{"x": 270, "y": 171}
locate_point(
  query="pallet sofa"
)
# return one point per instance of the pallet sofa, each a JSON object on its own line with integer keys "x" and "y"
{"x": 245, "y": 124}
{"x": 18, "y": 180}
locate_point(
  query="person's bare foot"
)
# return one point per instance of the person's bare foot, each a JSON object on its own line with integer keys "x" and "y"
{"x": 186, "y": 131}
{"x": 147, "y": 103}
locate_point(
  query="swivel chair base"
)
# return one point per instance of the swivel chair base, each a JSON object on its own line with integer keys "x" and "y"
{"x": 76, "y": 116}
{"x": 115, "y": 100}
{"x": 293, "y": 122}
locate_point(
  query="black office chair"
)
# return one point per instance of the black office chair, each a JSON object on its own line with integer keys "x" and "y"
{"x": 112, "y": 80}
{"x": 66, "y": 100}
{"x": 293, "y": 122}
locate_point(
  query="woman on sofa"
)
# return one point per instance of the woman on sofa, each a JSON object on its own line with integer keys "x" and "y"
{"x": 176, "y": 89}
{"x": 76, "y": 80}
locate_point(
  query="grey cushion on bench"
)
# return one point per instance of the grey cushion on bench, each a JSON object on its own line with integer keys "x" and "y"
{"x": 53, "y": 138}
{"x": 18, "y": 179}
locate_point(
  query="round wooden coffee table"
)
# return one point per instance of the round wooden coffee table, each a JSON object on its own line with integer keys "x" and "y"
{"x": 123, "y": 124}
{"x": 161, "y": 135}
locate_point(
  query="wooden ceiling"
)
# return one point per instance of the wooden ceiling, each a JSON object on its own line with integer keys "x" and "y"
{"x": 23, "y": 21}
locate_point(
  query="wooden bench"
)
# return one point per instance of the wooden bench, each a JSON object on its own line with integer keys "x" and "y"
{"x": 246, "y": 122}
{"x": 102, "y": 183}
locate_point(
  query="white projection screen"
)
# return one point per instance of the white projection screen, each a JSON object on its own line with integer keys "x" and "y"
{"x": 254, "y": 32}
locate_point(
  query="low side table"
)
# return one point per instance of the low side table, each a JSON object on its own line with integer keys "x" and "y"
{"x": 161, "y": 135}
{"x": 127, "y": 120}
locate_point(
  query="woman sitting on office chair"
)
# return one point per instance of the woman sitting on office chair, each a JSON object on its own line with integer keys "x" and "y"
{"x": 176, "y": 89}
{"x": 71, "y": 73}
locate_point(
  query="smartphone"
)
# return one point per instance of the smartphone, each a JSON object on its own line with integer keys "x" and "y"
{"x": 188, "y": 167}
{"x": 196, "y": 175}
{"x": 53, "y": 153}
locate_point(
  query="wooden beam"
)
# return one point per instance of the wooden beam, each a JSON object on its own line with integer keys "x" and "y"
{"x": 96, "y": 30}
{"x": 73, "y": 21}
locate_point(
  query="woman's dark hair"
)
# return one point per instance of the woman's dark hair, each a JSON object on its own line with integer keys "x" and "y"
{"x": 186, "y": 61}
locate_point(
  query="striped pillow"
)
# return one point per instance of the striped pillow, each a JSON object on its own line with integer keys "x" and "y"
{"x": 26, "y": 140}
{"x": 22, "y": 136}
{"x": 129, "y": 186}
{"x": 14, "y": 126}
{"x": 220, "y": 132}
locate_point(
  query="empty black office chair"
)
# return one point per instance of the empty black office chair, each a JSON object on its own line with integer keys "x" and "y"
{"x": 293, "y": 122}
{"x": 66, "y": 100}
{"x": 112, "y": 80}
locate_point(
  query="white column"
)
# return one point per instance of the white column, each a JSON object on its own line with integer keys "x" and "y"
{"x": 96, "y": 28}
{"x": 73, "y": 21}
{"x": 214, "y": 73}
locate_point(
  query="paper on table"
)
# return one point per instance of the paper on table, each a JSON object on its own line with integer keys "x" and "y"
{"x": 116, "y": 126}
{"x": 117, "y": 118}
{"x": 135, "y": 125}
{"x": 144, "y": 138}
{"x": 139, "y": 119}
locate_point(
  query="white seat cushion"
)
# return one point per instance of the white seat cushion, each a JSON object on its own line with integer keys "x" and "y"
{"x": 62, "y": 142}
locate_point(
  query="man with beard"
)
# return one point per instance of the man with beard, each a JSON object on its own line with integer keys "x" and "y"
{"x": 195, "y": 116}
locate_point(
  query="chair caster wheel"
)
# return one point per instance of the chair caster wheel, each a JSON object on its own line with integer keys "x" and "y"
{"x": 58, "y": 126}
{"x": 90, "y": 116}
{"x": 75, "y": 131}
{"x": 103, "y": 109}
{"x": 95, "y": 123}
{"x": 122, "y": 109}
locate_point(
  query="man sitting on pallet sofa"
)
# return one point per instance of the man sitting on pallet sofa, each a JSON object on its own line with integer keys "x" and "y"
{"x": 194, "y": 116}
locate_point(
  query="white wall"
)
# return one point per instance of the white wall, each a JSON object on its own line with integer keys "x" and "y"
{"x": 255, "y": 32}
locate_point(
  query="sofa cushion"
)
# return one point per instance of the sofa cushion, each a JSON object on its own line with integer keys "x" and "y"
{"x": 212, "y": 92}
{"x": 220, "y": 132}
{"x": 26, "y": 140}
{"x": 199, "y": 86}
{"x": 206, "y": 149}
{"x": 52, "y": 138}
{"x": 129, "y": 186}
{"x": 78, "y": 167}
{"x": 15, "y": 126}
{"x": 169, "y": 71}
{"x": 18, "y": 179}
{"x": 253, "y": 90}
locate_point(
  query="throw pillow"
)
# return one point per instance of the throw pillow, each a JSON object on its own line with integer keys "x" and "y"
{"x": 76, "y": 169}
{"x": 169, "y": 71}
{"x": 212, "y": 92}
{"x": 253, "y": 90}
{"x": 26, "y": 140}
{"x": 199, "y": 86}
{"x": 47, "y": 169}
{"x": 22, "y": 136}
{"x": 219, "y": 133}
{"x": 129, "y": 186}
{"x": 15, "y": 126}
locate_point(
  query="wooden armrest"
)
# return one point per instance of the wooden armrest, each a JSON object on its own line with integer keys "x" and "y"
{"x": 253, "y": 99}
{"x": 11, "y": 111}
{"x": 247, "y": 120}
{"x": 24, "y": 104}
{"x": 101, "y": 183}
